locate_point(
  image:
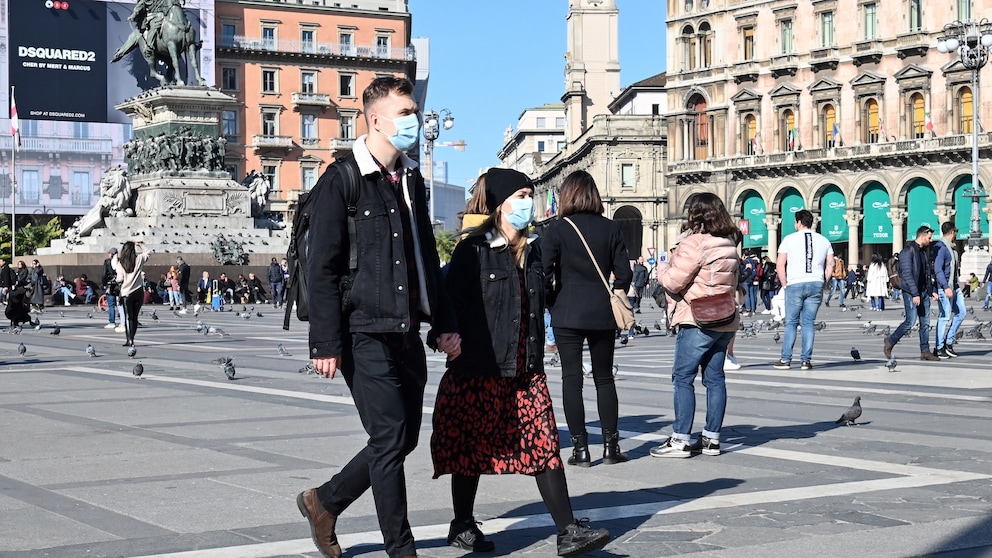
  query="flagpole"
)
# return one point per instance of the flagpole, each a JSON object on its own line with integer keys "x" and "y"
{"x": 13, "y": 188}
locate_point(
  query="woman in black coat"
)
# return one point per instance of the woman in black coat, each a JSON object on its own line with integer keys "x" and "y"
{"x": 581, "y": 310}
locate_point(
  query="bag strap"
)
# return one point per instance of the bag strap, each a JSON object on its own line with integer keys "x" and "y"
{"x": 591, "y": 257}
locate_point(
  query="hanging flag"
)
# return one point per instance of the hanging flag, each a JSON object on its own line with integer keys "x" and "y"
{"x": 549, "y": 203}
{"x": 15, "y": 128}
{"x": 757, "y": 142}
{"x": 929, "y": 125}
{"x": 881, "y": 131}
{"x": 792, "y": 139}
{"x": 835, "y": 134}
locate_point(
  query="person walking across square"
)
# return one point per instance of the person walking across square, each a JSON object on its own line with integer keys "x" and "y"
{"x": 838, "y": 280}
{"x": 947, "y": 271}
{"x": 915, "y": 272}
{"x": 805, "y": 257}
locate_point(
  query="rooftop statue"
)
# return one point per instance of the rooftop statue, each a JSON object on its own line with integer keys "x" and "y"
{"x": 163, "y": 34}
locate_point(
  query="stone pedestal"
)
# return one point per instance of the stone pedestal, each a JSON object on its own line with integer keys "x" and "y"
{"x": 974, "y": 260}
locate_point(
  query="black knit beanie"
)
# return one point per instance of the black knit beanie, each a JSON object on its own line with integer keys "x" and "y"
{"x": 501, "y": 184}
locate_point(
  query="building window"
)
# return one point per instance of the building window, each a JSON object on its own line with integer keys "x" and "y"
{"x": 272, "y": 173}
{"x": 347, "y": 49}
{"x": 830, "y": 139}
{"x": 227, "y": 33}
{"x": 750, "y": 135}
{"x": 30, "y": 187}
{"x": 688, "y": 40}
{"x": 309, "y": 178}
{"x": 827, "y": 29}
{"x": 269, "y": 38}
{"x": 626, "y": 176}
{"x": 871, "y": 122}
{"x": 541, "y": 122}
{"x": 29, "y": 128}
{"x": 269, "y": 81}
{"x": 229, "y": 125}
{"x": 700, "y": 128}
{"x": 655, "y": 109}
{"x": 540, "y": 146}
{"x": 966, "y": 102}
{"x": 307, "y": 39}
{"x": 964, "y": 10}
{"x": 229, "y": 78}
{"x": 80, "y": 188}
{"x": 269, "y": 124}
{"x": 915, "y": 15}
{"x": 871, "y": 21}
{"x": 232, "y": 170}
{"x": 560, "y": 122}
{"x": 308, "y": 82}
{"x": 382, "y": 46}
{"x": 786, "y": 26}
{"x": 790, "y": 139}
{"x": 560, "y": 146}
{"x": 705, "y": 45}
{"x": 347, "y": 123}
{"x": 346, "y": 85}
{"x": 919, "y": 115}
{"x": 748, "y": 41}
{"x": 80, "y": 130}
{"x": 308, "y": 129}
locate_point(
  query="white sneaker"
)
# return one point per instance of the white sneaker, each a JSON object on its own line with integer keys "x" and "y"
{"x": 109, "y": 326}
{"x": 730, "y": 363}
{"x": 766, "y": 312}
{"x": 119, "y": 329}
{"x": 671, "y": 448}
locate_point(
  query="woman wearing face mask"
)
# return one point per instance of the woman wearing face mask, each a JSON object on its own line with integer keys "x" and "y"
{"x": 493, "y": 412}
{"x": 581, "y": 310}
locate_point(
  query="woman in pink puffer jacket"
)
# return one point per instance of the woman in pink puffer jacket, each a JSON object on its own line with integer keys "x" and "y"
{"x": 703, "y": 263}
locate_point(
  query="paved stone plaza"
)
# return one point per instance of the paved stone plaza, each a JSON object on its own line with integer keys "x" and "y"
{"x": 184, "y": 463}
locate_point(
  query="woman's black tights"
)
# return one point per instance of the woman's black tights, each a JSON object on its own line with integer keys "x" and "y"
{"x": 550, "y": 482}
{"x": 601, "y": 345}
{"x": 132, "y": 304}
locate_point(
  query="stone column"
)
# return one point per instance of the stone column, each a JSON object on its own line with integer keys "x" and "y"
{"x": 853, "y": 218}
{"x": 772, "y": 222}
{"x": 943, "y": 214}
{"x": 898, "y": 217}
{"x": 988, "y": 213}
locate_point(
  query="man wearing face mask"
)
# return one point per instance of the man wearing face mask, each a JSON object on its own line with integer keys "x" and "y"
{"x": 365, "y": 320}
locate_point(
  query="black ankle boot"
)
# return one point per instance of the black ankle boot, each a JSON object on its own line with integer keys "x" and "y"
{"x": 611, "y": 448}
{"x": 465, "y": 534}
{"x": 578, "y": 538}
{"x": 580, "y": 451}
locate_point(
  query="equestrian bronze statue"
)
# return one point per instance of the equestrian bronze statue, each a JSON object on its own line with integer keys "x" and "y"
{"x": 163, "y": 34}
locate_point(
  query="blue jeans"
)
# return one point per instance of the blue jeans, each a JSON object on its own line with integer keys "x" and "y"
{"x": 947, "y": 336}
{"x": 912, "y": 313}
{"x": 837, "y": 285}
{"x": 277, "y": 292}
{"x": 549, "y": 333}
{"x": 802, "y": 301}
{"x": 699, "y": 349}
{"x": 988, "y": 295}
{"x": 750, "y": 297}
{"x": 111, "y": 308}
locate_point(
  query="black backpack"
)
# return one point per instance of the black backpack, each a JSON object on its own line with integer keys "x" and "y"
{"x": 298, "y": 255}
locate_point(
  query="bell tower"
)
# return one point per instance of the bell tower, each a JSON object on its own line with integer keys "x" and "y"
{"x": 592, "y": 63}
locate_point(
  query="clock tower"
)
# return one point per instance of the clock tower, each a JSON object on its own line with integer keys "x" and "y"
{"x": 592, "y": 63}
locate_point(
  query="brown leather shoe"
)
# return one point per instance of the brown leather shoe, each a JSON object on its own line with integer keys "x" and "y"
{"x": 929, "y": 356}
{"x": 321, "y": 523}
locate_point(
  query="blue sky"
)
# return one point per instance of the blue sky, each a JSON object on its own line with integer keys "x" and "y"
{"x": 492, "y": 60}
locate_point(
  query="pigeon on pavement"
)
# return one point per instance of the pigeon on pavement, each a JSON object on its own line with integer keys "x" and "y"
{"x": 154, "y": 315}
{"x": 778, "y": 337}
{"x": 820, "y": 326}
{"x": 56, "y": 329}
{"x": 282, "y": 350}
{"x": 90, "y": 350}
{"x": 891, "y": 365}
{"x": 855, "y": 354}
{"x": 21, "y": 349}
{"x": 89, "y": 314}
{"x": 229, "y": 370}
{"x": 138, "y": 370}
{"x": 851, "y": 414}
{"x": 131, "y": 351}
{"x": 308, "y": 369}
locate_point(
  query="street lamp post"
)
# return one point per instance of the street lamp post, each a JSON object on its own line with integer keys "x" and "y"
{"x": 432, "y": 129}
{"x": 971, "y": 41}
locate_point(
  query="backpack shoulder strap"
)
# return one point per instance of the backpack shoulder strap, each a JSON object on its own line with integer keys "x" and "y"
{"x": 352, "y": 183}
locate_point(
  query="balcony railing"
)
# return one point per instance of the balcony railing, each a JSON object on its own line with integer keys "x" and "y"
{"x": 259, "y": 142}
{"x": 312, "y": 47}
{"x": 340, "y": 144}
{"x": 61, "y": 145}
{"x": 311, "y": 99}
{"x": 310, "y": 143}
{"x": 839, "y": 154}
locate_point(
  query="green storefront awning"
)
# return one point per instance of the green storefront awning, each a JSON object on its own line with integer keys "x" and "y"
{"x": 754, "y": 213}
{"x": 921, "y": 200}
{"x": 876, "y": 226}
{"x": 792, "y": 202}
{"x": 832, "y": 209}
{"x": 962, "y": 214}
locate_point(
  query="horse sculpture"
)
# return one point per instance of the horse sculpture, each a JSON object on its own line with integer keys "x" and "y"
{"x": 174, "y": 38}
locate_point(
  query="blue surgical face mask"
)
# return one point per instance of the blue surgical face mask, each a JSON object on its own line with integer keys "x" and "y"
{"x": 407, "y": 132}
{"x": 521, "y": 214}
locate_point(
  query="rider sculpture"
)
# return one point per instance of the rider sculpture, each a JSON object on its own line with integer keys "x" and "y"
{"x": 163, "y": 34}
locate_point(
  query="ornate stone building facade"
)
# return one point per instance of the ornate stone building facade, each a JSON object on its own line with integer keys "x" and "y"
{"x": 843, "y": 107}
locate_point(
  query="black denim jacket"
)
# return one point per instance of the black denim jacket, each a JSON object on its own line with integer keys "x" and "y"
{"x": 484, "y": 287}
{"x": 379, "y": 301}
